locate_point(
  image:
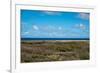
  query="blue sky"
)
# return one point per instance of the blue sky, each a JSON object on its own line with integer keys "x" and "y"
{"x": 52, "y": 24}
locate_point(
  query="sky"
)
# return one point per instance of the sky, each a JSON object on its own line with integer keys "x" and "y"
{"x": 54, "y": 24}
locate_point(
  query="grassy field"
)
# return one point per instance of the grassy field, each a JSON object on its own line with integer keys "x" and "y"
{"x": 49, "y": 50}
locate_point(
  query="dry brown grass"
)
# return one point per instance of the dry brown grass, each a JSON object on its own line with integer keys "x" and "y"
{"x": 42, "y": 51}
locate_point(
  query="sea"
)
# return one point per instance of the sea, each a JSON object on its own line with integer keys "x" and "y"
{"x": 54, "y": 38}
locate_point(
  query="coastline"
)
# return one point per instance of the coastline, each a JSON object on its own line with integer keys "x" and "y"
{"x": 53, "y": 40}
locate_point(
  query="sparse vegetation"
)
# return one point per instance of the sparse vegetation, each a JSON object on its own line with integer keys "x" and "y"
{"x": 41, "y": 51}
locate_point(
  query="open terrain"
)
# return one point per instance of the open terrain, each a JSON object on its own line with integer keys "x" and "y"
{"x": 52, "y": 50}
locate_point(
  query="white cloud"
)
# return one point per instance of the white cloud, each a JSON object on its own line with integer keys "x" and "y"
{"x": 35, "y": 27}
{"x": 83, "y": 15}
{"x": 81, "y": 26}
{"x": 52, "y": 13}
{"x": 55, "y": 34}
{"x": 23, "y": 23}
{"x": 60, "y": 28}
{"x": 26, "y": 32}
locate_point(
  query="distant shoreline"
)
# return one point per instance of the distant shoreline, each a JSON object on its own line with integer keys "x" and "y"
{"x": 68, "y": 39}
{"x": 54, "y": 40}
